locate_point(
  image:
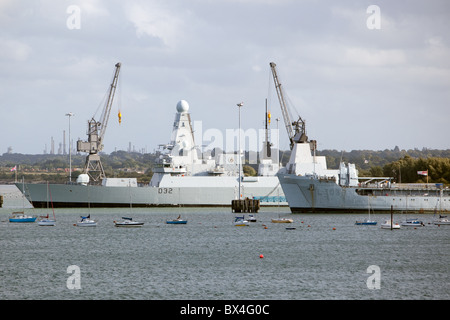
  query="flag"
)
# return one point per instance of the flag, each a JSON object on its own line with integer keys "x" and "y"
{"x": 14, "y": 169}
{"x": 423, "y": 173}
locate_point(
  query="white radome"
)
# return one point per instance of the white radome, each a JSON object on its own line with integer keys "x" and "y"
{"x": 182, "y": 106}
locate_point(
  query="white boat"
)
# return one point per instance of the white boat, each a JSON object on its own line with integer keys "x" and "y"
{"x": 282, "y": 220}
{"x": 128, "y": 222}
{"x": 241, "y": 222}
{"x": 20, "y": 216}
{"x": 86, "y": 222}
{"x": 46, "y": 221}
{"x": 251, "y": 218}
{"x": 387, "y": 225}
{"x": 442, "y": 220}
{"x": 413, "y": 223}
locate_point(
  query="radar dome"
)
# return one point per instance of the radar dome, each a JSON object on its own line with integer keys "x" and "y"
{"x": 83, "y": 179}
{"x": 182, "y": 106}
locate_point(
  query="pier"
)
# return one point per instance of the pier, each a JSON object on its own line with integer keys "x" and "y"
{"x": 245, "y": 205}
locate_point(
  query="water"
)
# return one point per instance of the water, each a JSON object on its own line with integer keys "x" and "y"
{"x": 209, "y": 258}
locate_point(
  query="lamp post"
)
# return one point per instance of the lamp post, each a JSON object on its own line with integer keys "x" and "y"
{"x": 70, "y": 114}
{"x": 239, "y": 151}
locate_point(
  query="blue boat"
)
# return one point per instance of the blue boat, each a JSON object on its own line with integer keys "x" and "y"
{"x": 413, "y": 223}
{"x": 176, "y": 221}
{"x": 21, "y": 217}
{"x": 366, "y": 222}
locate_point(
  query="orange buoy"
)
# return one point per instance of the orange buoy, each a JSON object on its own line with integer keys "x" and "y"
{"x": 334, "y": 228}
{"x": 261, "y": 256}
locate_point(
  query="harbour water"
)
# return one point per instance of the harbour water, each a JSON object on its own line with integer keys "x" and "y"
{"x": 326, "y": 257}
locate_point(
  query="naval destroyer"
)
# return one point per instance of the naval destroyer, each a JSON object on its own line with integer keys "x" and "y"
{"x": 181, "y": 178}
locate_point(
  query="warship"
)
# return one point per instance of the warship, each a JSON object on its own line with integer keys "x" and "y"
{"x": 309, "y": 186}
{"x": 181, "y": 177}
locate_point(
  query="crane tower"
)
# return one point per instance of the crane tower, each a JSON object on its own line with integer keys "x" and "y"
{"x": 96, "y": 133}
{"x": 296, "y": 130}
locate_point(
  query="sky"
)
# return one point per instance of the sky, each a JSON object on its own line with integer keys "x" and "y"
{"x": 364, "y": 75}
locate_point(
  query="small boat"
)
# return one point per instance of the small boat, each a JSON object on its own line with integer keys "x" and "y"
{"x": 282, "y": 220}
{"x": 413, "y": 223}
{"x": 251, "y": 218}
{"x": 178, "y": 220}
{"x": 241, "y": 222}
{"x": 21, "y": 217}
{"x": 128, "y": 222}
{"x": 46, "y": 221}
{"x": 86, "y": 222}
{"x": 442, "y": 220}
{"x": 387, "y": 225}
{"x": 366, "y": 222}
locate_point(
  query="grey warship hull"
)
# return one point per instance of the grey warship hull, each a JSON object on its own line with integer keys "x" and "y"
{"x": 314, "y": 194}
{"x": 194, "y": 192}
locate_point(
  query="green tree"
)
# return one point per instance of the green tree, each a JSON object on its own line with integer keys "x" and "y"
{"x": 248, "y": 170}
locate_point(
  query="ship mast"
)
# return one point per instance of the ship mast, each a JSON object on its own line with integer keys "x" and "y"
{"x": 96, "y": 132}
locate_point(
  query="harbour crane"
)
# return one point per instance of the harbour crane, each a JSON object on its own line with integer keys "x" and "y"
{"x": 96, "y": 132}
{"x": 296, "y": 130}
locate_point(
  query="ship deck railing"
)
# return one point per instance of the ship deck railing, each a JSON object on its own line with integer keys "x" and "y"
{"x": 404, "y": 186}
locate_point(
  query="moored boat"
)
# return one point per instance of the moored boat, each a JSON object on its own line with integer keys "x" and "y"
{"x": 21, "y": 217}
{"x": 128, "y": 222}
{"x": 366, "y": 222}
{"x": 442, "y": 220}
{"x": 241, "y": 222}
{"x": 282, "y": 220}
{"x": 178, "y": 220}
{"x": 46, "y": 221}
{"x": 86, "y": 222}
{"x": 414, "y": 222}
{"x": 387, "y": 225}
